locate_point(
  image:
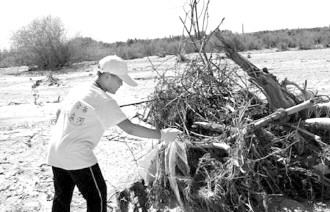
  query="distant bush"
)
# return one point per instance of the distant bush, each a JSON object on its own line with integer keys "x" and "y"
{"x": 87, "y": 49}
{"x": 41, "y": 43}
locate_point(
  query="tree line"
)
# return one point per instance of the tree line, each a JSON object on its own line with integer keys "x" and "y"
{"x": 43, "y": 44}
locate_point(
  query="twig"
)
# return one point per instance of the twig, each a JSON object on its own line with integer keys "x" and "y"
{"x": 111, "y": 138}
{"x": 137, "y": 103}
{"x": 275, "y": 152}
{"x": 155, "y": 69}
{"x": 28, "y": 142}
{"x": 15, "y": 103}
{"x": 316, "y": 137}
{"x": 129, "y": 148}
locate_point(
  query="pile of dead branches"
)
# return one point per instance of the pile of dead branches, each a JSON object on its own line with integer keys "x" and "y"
{"x": 239, "y": 150}
{"x": 248, "y": 138}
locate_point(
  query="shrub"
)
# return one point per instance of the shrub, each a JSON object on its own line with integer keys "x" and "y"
{"x": 282, "y": 46}
{"x": 41, "y": 43}
{"x": 87, "y": 49}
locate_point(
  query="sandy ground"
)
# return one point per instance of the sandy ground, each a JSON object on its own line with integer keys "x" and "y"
{"x": 26, "y": 181}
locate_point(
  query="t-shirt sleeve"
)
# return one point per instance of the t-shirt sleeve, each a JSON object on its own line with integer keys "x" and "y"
{"x": 110, "y": 114}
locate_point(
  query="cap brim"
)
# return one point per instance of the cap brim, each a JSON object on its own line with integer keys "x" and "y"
{"x": 128, "y": 80}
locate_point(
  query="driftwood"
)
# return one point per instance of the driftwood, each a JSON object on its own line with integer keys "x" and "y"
{"x": 279, "y": 116}
{"x": 277, "y": 96}
{"x": 318, "y": 123}
{"x": 210, "y": 126}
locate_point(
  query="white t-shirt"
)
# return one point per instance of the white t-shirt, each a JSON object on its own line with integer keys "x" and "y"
{"x": 86, "y": 113}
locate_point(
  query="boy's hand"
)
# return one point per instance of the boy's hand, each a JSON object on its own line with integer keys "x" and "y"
{"x": 169, "y": 134}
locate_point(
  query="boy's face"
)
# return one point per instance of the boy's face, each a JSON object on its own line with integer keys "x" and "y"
{"x": 113, "y": 83}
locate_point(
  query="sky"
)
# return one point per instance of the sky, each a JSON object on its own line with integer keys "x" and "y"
{"x": 118, "y": 20}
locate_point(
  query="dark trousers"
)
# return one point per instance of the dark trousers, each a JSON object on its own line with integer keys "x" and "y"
{"x": 90, "y": 183}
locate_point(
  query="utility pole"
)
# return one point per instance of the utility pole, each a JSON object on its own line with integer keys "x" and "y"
{"x": 242, "y": 28}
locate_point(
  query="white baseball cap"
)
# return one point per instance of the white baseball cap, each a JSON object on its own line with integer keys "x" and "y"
{"x": 117, "y": 66}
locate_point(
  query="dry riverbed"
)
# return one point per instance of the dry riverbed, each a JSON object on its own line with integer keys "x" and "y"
{"x": 26, "y": 181}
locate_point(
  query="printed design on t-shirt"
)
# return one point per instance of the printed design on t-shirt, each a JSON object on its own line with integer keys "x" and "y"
{"x": 77, "y": 114}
